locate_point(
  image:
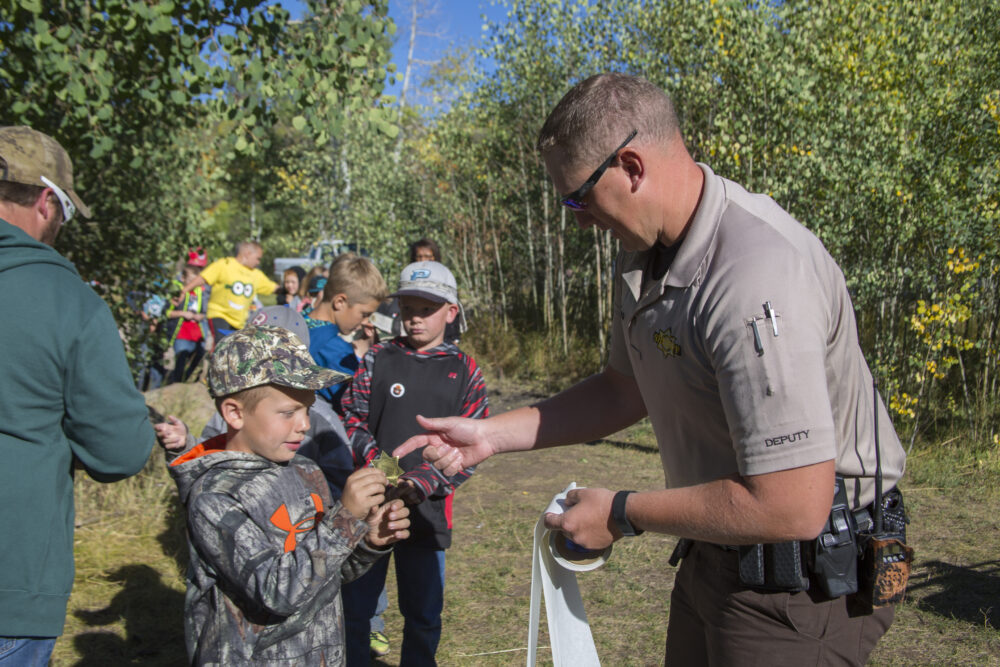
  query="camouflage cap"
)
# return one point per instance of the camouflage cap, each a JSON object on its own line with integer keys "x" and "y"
{"x": 262, "y": 355}
{"x": 27, "y": 156}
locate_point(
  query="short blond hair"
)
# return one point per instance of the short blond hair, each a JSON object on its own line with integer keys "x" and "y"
{"x": 357, "y": 277}
{"x": 598, "y": 113}
{"x": 241, "y": 246}
{"x": 248, "y": 398}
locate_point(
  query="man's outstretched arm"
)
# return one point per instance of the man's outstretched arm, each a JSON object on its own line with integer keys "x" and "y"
{"x": 601, "y": 405}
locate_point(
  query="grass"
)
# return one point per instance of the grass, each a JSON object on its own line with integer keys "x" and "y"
{"x": 127, "y": 604}
{"x": 528, "y": 355}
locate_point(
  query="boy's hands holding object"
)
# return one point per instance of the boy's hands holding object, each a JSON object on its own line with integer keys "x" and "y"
{"x": 171, "y": 434}
{"x": 405, "y": 490}
{"x": 388, "y": 523}
{"x": 364, "y": 489}
{"x": 401, "y": 487}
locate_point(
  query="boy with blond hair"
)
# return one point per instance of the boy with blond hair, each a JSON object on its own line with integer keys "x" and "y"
{"x": 269, "y": 547}
{"x": 354, "y": 289}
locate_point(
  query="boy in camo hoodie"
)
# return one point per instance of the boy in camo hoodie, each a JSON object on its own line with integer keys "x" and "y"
{"x": 269, "y": 547}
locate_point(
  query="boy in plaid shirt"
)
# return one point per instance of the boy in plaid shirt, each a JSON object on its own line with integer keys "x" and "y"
{"x": 415, "y": 374}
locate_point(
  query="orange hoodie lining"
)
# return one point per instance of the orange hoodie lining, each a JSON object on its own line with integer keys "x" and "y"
{"x": 210, "y": 446}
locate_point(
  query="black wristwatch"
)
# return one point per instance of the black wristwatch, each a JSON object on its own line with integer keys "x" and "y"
{"x": 618, "y": 515}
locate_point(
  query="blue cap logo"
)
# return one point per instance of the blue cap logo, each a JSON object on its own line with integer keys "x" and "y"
{"x": 420, "y": 273}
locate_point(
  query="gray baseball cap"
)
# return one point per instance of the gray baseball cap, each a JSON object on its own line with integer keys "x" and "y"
{"x": 430, "y": 280}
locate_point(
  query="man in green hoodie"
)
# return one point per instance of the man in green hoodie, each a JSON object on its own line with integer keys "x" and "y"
{"x": 66, "y": 396}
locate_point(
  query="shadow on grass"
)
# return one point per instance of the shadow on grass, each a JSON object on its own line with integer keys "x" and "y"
{"x": 153, "y": 614}
{"x": 969, "y": 593}
{"x": 621, "y": 444}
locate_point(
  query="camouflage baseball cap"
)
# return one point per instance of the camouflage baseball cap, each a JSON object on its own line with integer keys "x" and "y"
{"x": 262, "y": 355}
{"x": 32, "y": 158}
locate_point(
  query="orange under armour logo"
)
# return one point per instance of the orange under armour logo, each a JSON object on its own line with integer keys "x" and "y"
{"x": 282, "y": 520}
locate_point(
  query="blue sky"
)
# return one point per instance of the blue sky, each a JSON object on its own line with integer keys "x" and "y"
{"x": 452, "y": 22}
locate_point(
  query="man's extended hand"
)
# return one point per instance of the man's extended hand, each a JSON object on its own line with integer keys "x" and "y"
{"x": 453, "y": 443}
{"x": 587, "y": 520}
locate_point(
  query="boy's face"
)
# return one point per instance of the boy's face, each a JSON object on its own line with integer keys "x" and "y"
{"x": 424, "y": 320}
{"x": 275, "y": 427}
{"x": 349, "y": 316}
{"x": 423, "y": 254}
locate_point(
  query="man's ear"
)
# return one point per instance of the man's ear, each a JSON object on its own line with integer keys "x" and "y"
{"x": 633, "y": 165}
{"x": 339, "y": 301}
{"x": 47, "y": 205}
{"x": 232, "y": 413}
{"x": 452, "y": 313}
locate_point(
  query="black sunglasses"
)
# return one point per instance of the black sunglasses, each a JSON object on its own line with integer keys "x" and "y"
{"x": 574, "y": 200}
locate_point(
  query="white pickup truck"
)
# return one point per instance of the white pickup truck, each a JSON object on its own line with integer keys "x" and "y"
{"x": 321, "y": 252}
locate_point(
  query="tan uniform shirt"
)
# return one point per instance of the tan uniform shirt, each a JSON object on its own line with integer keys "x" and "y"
{"x": 732, "y": 387}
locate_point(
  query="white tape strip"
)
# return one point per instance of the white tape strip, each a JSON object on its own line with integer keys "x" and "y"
{"x": 553, "y": 572}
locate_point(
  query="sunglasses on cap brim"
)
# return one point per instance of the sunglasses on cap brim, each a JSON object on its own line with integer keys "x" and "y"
{"x": 68, "y": 207}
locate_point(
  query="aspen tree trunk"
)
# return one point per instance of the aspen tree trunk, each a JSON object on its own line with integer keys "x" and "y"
{"x": 467, "y": 262}
{"x": 529, "y": 232}
{"x": 547, "y": 241}
{"x": 503, "y": 287}
{"x": 479, "y": 232}
{"x": 562, "y": 279}
{"x": 610, "y": 247}
{"x": 599, "y": 287}
{"x": 406, "y": 78}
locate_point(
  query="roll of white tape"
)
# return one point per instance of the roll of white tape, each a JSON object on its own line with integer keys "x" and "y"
{"x": 554, "y": 564}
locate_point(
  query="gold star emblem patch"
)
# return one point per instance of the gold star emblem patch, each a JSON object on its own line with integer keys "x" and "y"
{"x": 389, "y": 465}
{"x": 667, "y": 342}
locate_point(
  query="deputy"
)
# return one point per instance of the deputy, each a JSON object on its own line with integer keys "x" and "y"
{"x": 734, "y": 332}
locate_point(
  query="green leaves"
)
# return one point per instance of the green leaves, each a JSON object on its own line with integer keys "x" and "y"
{"x": 139, "y": 92}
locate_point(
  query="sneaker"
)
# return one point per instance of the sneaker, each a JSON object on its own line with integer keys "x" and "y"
{"x": 379, "y": 643}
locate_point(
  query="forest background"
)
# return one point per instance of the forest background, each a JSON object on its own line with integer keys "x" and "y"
{"x": 204, "y": 122}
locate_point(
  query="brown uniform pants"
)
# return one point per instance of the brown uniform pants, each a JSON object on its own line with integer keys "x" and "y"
{"x": 716, "y": 621}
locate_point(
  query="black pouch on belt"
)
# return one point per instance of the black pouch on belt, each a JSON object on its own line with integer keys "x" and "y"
{"x": 833, "y": 556}
{"x": 775, "y": 567}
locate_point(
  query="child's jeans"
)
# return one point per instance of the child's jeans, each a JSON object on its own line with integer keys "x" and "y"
{"x": 420, "y": 586}
{"x": 187, "y": 356}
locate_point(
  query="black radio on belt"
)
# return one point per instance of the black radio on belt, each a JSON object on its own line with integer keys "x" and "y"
{"x": 885, "y": 556}
{"x": 833, "y": 557}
